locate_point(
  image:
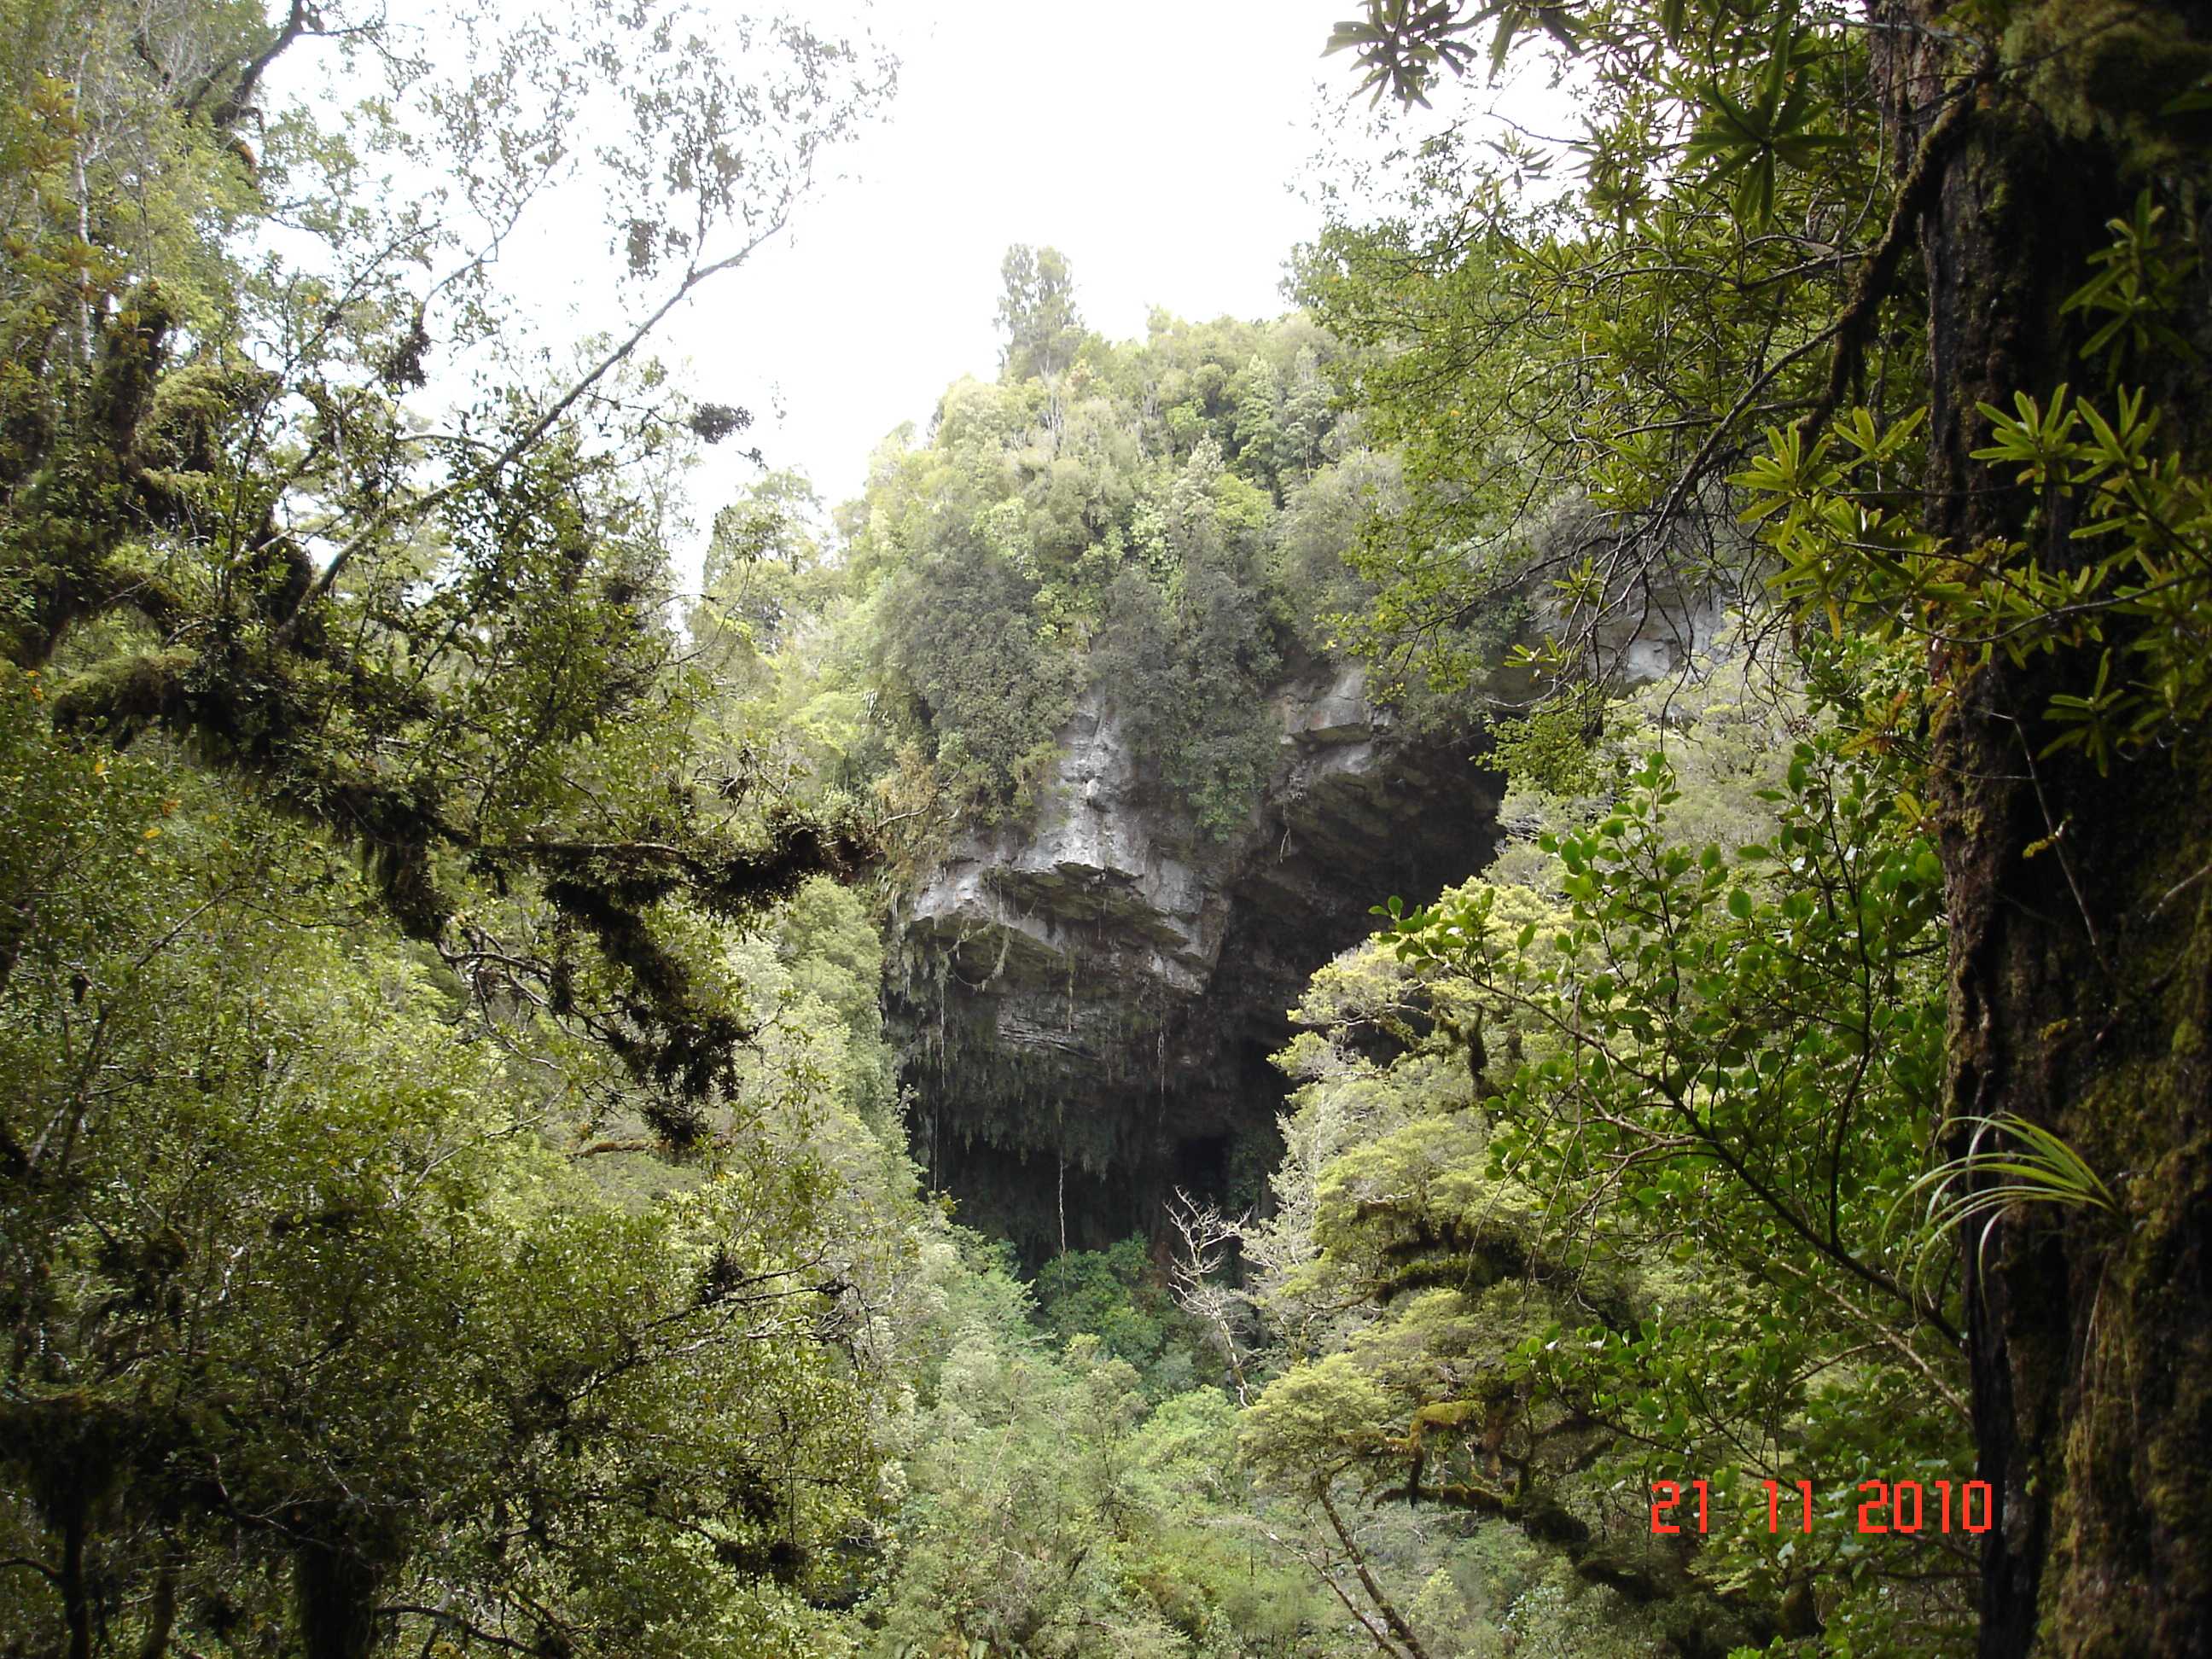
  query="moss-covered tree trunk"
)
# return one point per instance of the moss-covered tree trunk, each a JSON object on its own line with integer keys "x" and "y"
{"x": 2080, "y": 914}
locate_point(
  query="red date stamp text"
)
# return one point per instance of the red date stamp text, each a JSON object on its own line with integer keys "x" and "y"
{"x": 1888, "y": 1506}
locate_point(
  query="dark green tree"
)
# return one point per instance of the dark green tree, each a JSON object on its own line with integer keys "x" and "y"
{"x": 1942, "y": 253}
{"x": 231, "y": 513}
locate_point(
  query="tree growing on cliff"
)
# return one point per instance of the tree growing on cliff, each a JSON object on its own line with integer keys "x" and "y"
{"x": 1915, "y": 288}
{"x": 1037, "y": 314}
{"x": 1137, "y": 534}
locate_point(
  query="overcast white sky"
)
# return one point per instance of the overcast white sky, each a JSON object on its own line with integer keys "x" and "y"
{"x": 1155, "y": 142}
{"x": 1161, "y": 145}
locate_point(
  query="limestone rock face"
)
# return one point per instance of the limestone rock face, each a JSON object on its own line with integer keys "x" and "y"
{"x": 1099, "y": 870}
{"x": 1089, "y": 1001}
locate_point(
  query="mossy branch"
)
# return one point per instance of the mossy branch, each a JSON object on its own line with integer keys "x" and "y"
{"x": 1877, "y": 273}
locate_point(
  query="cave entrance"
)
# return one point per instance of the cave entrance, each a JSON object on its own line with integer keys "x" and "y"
{"x": 1158, "y": 1050}
{"x": 1201, "y": 1165}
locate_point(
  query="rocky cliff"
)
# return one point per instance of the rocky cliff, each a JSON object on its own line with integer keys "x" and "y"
{"x": 1088, "y": 1002}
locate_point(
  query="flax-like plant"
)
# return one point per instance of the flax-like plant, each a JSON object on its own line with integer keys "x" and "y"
{"x": 2038, "y": 1168}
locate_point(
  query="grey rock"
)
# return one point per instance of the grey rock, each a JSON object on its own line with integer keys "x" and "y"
{"x": 1088, "y": 1000}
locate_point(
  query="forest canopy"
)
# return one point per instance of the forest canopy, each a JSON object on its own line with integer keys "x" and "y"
{"x": 456, "y": 1187}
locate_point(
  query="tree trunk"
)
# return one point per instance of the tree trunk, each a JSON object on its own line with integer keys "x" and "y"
{"x": 77, "y": 1602}
{"x": 2081, "y": 952}
{"x": 336, "y": 1588}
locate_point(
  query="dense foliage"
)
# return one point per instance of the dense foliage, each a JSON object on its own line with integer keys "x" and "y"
{"x": 310, "y": 1326}
{"x": 1883, "y": 323}
{"x": 1153, "y": 524}
{"x": 453, "y": 1188}
{"x": 1617, "y": 1197}
{"x": 364, "y": 881}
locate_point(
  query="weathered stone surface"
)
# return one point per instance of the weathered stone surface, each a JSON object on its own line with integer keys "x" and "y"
{"x": 1089, "y": 1001}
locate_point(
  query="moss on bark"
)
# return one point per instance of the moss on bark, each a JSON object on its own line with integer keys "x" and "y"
{"x": 2081, "y": 952}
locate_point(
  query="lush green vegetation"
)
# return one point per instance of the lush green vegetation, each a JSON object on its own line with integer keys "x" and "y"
{"x": 455, "y": 1195}
{"x": 1158, "y": 522}
{"x": 1806, "y": 326}
{"x": 1626, "y": 1207}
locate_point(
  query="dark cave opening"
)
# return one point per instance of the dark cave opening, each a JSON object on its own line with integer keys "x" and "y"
{"x": 1098, "y": 1049}
{"x": 1201, "y": 1165}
